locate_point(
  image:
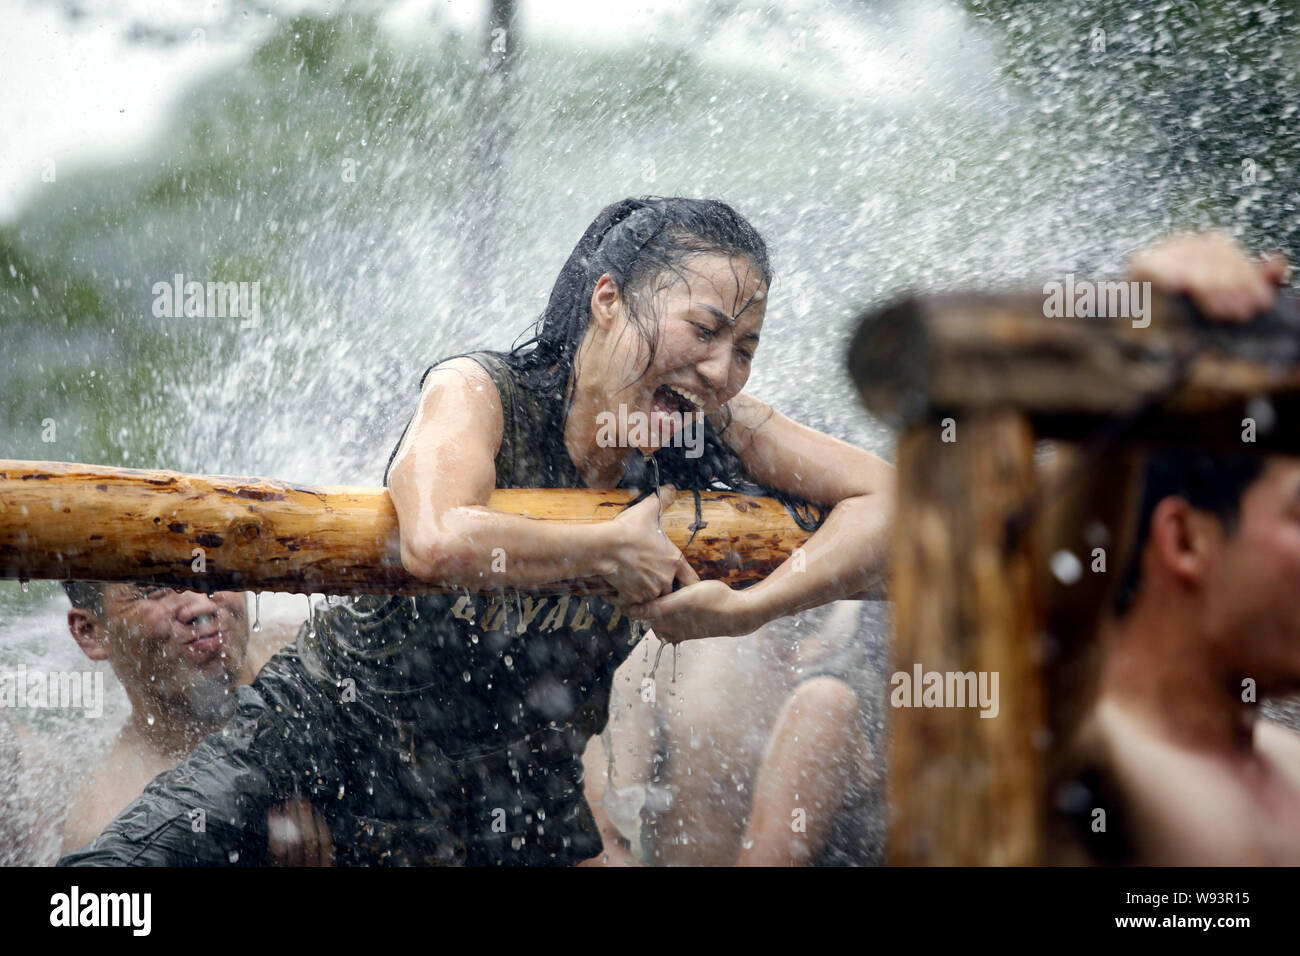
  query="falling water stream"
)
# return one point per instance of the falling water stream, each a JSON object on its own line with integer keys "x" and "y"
{"x": 334, "y": 156}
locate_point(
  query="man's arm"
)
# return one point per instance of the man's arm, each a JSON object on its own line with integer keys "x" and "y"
{"x": 812, "y": 759}
{"x": 618, "y": 850}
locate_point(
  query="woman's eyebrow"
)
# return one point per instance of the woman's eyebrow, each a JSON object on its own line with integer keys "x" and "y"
{"x": 725, "y": 318}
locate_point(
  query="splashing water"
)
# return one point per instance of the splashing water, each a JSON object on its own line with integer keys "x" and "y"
{"x": 338, "y": 162}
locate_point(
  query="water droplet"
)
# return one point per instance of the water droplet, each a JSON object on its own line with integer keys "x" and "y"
{"x": 257, "y": 611}
{"x": 466, "y": 676}
{"x": 748, "y": 844}
{"x": 1097, "y": 535}
{"x": 415, "y": 608}
{"x": 1262, "y": 410}
{"x": 1066, "y": 567}
{"x": 233, "y": 856}
{"x": 149, "y": 720}
{"x": 22, "y": 583}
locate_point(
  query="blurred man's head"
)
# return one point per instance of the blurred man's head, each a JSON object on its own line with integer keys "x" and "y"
{"x": 180, "y": 649}
{"x": 1219, "y": 538}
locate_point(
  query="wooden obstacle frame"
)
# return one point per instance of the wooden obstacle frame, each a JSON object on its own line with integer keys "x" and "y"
{"x": 981, "y": 386}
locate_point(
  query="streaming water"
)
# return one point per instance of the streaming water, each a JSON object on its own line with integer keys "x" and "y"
{"x": 394, "y": 206}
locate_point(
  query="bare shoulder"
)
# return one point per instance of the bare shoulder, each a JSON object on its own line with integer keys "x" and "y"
{"x": 460, "y": 397}
{"x": 465, "y": 378}
{"x": 1182, "y": 807}
{"x": 1280, "y": 744}
{"x": 468, "y": 370}
{"x": 114, "y": 781}
{"x": 448, "y": 455}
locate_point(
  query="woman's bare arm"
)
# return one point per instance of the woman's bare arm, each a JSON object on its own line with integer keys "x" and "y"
{"x": 846, "y": 557}
{"x": 440, "y": 483}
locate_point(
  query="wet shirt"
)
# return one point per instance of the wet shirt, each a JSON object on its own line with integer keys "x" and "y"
{"x": 473, "y": 672}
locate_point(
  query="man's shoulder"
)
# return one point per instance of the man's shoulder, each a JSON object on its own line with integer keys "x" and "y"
{"x": 113, "y": 780}
{"x": 1280, "y": 744}
{"x": 1185, "y": 806}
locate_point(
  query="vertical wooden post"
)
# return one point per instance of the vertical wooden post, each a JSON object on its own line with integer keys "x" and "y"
{"x": 966, "y": 789}
{"x": 1088, "y": 512}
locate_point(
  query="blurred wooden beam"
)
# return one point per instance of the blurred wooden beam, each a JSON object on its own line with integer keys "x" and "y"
{"x": 964, "y": 787}
{"x": 926, "y": 356}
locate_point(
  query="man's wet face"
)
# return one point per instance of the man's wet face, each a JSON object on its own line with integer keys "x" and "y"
{"x": 1255, "y": 588}
{"x": 184, "y": 647}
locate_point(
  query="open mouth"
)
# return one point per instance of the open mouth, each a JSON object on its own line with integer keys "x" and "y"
{"x": 673, "y": 398}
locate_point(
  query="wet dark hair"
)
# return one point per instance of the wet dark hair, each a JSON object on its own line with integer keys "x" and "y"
{"x": 87, "y": 595}
{"x": 642, "y": 244}
{"x": 636, "y": 241}
{"x": 1213, "y": 483}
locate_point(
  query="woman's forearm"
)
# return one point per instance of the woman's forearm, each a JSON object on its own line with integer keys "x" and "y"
{"x": 474, "y": 546}
{"x": 845, "y": 558}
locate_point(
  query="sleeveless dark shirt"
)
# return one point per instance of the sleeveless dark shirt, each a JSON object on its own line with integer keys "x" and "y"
{"x": 483, "y": 675}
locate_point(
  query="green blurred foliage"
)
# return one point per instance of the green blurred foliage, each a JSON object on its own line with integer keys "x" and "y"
{"x": 1207, "y": 91}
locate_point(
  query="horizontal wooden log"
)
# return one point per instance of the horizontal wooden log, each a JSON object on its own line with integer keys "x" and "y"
{"x": 90, "y": 523}
{"x": 928, "y": 356}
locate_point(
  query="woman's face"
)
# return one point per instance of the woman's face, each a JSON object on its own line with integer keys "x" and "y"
{"x": 709, "y": 327}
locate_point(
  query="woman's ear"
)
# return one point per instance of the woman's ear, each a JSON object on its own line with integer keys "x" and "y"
{"x": 604, "y": 302}
{"x": 88, "y": 631}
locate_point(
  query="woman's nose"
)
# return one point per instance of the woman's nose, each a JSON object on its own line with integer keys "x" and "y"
{"x": 716, "y": 366}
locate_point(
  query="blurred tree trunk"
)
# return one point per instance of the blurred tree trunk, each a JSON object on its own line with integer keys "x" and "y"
{"x": 482, "y": 213}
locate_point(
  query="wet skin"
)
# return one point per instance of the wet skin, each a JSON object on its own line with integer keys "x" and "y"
{"x": 180, "y": 657}
{"x": 169, "y": 649}
{"x": 709, "y": 321}
{"x": 708, "y": 316}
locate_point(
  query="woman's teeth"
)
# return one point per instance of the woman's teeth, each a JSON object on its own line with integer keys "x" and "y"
{"x": 688, "y": 395}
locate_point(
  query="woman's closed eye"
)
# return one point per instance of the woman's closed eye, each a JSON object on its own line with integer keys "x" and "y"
{"x": 707, "y": 335}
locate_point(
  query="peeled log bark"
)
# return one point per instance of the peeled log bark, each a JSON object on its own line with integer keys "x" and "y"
{"x": 91, "y": 523}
